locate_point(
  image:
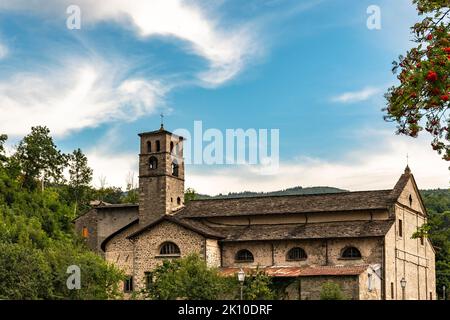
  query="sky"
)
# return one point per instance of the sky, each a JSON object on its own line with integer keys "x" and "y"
{"x": 311, "y": 69}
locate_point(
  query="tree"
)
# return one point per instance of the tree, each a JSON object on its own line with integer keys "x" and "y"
{"x": 189, "y": 195}
{"x": 132, "y": 195}
{"x": 39, "y": 159}
{"x": 258, "y": 286}
{"x": 3, "y": 138}
{"x": 187, "y": 278}
{"x": 421, "y": 100}
{"x": 80, "y": 176}
{"x": 331, "y": 291}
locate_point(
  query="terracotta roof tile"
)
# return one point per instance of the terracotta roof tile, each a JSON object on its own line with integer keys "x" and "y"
{"x": 302, "y": 271}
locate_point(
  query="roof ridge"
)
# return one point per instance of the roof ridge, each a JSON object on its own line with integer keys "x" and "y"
{"x": 291, "y": 195}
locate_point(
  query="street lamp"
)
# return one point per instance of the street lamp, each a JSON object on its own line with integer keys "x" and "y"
{"x": 241, "y": 279}
{"x": 403, "y": 284}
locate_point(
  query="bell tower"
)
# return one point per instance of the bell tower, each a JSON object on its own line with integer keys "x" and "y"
{"x": 161, "y": 175}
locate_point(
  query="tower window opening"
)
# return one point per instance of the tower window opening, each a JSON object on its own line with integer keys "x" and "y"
{"x": 149, "y": 147}
{"x": 153, "y": 163}
{"x": 158, "y": 146}
{"x": 178, "y": 200}
{"x": 175, "y": 169}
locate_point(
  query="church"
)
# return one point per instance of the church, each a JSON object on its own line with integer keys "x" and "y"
{"x": 360, "y": 240}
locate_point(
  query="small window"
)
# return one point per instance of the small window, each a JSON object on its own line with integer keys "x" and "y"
{"x": 244, "y": 256}
{"x": 153, "y": 163}
{"x": 431, "y": 295}
{"x": 158, "y": 146}
{"x": 85, "y": 232}
{"x": 148, "y": 280}
{"x": 128, "y": 284}
{"x": 369, "y": 280}
{"x": 178, "y": 200}
{"x": 392, "y": 290}
{"x": 149, "y": 147}
{"x": 351, "y": 253}
{"x": 296, "y": 254}
{"x": 171, "y": 146}
{"x": 400, "y": 228}
{"x": 175, "y": 169}
{"x": 169, "y": 248}
{"x": 410, "y": 200}
{"x": 421, "y": 241}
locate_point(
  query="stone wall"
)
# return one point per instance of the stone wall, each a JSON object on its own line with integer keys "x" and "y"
{"x": 309, "y": 288}
{"x": 319, "y": 252}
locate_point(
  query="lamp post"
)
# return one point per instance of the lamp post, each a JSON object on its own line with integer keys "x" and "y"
{"x": 403, "y": 284}
{"x": 241, "y": 278}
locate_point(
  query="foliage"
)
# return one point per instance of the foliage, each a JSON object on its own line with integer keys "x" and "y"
{"x": 37, "y": 242}
{"x": 331, "y": 291}
{"x": 189, "y": 195}
{"x": 3, "y": 138}
{"x": 421, "y": 100}
{"x": 258, "y": 286}
{"x": 39, "y": 159}
{"x": 437, "y": 229}
{"x": 80, "y": 176}
{"x": 187, "y": 278}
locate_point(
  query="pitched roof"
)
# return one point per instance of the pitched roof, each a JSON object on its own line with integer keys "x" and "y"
{"x": 302, "y": 271}
{"x": 323, "y": 230}
{"x": 188, "y": 224}
{"x": 341, "y": 201}
{"x": 112, "y": 235}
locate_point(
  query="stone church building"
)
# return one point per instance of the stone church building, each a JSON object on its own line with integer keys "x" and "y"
{"x": 361, "y": 240}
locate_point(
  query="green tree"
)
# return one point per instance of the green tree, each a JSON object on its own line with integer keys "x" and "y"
{"x": 39, "y": 159}
{"x": 258, "y": 286}
{"x": 3, "y": 138}
{"x": 187, "y": 278}
{"x": 80, "y": 177}
{"x": 190, "y": 194}
{"x": 421, "y": 100}
{"x": 331, "y": 291}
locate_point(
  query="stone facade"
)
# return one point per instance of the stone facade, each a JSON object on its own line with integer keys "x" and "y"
{"x": 351, "y": 238}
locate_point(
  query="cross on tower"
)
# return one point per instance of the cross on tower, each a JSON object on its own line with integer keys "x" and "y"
{"x": 162, "y": 120}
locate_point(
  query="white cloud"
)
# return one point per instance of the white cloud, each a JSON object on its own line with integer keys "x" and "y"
{"x": 356, "y": 96}
{"x": 226, "y": 48}
{"x": 376, "y": 166}
{"x": 78, "y": 96}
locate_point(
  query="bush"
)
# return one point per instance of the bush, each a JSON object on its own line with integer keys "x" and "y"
{"x": 331, "y": 291}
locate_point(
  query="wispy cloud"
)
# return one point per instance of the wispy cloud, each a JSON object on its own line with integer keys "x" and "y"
{"x": 81, "y": 95}
{"x": 356, "y": 96}
{"x": 226, "y": 48}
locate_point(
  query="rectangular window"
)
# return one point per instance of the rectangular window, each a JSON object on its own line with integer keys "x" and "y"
{"x": 400, "y": 228}
{"x": 421, "y": 241}
{"x": 85, "y": 232}
{"x": 431, "y": 295}
{"x": 148, "y": 280}
{"x": 392, "y": 290}
{"x": 128, "y": 284}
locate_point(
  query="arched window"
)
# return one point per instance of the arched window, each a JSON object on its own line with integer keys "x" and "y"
{"x": 174, "y": 169}
{"x": 149, "y": 147}
{"x": 296, "y": 254}
{"x": 244, "y": 255}
{"x": 153, "y": 163}
{"x": 158, "y": 146}
{"x": 169, "y": 248}
{"x": 351, "y": 253}
{"x": 178, "y": 200}
{"x": 171, "y": 146}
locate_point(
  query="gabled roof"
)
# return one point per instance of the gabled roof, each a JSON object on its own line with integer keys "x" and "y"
{"x": 341, "y": 201}
{"x": 195, "y": 226}
{"x": 112, "y": 235}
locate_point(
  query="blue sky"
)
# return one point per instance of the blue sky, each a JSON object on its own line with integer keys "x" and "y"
{"x": 311, "y": 69}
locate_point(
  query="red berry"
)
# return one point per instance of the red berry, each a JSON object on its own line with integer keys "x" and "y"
{"x": 444, "y": 97}
{"x": 432, "y": 76}
{"x": 430, "y": 37}
{"x": 447, "y": 50}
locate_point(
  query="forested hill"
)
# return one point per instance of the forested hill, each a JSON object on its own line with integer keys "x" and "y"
{"x": 290, "y": 191}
